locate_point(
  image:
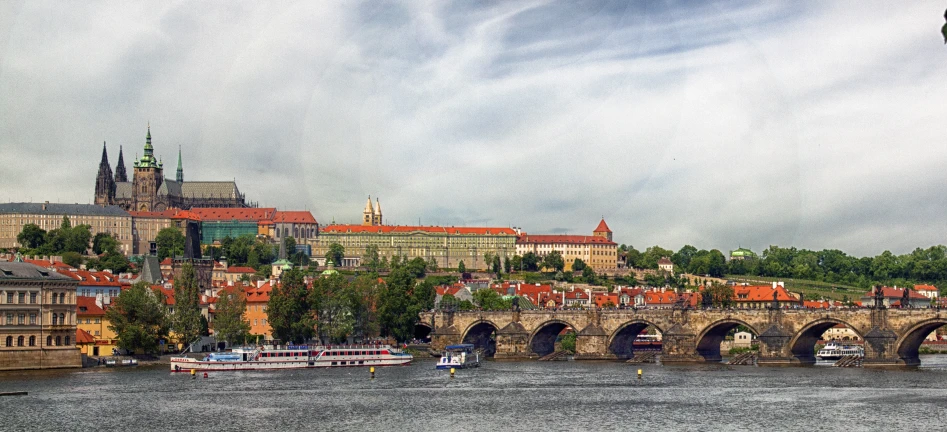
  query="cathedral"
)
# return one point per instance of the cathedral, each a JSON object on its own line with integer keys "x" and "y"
{"x": 150, "y": 191}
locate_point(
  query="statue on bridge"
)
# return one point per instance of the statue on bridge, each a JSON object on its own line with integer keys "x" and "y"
{"x": 516, "y": 304}
{"x": 906, "y": 298}
{"x": 879, "y": 298}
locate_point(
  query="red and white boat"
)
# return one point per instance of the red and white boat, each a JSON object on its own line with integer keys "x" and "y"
{"x": 294, "y": 357}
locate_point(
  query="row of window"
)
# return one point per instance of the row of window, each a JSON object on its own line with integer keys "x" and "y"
{"x": 87, "y": 292}
{"x": 20, "y": 319}
{"x": 20, "y": 298}
{"x": 22, "y": 341}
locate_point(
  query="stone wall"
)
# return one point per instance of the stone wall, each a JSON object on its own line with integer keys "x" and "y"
{"x": 21, "y": 359}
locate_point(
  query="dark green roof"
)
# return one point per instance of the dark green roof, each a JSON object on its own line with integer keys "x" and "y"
{"x": 62, "y": 209}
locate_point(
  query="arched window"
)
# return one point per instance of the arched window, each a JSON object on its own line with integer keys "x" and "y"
{"x": 55, "y": 319}
{"x": 32, "y": 340}
{"x": 67, "y": 340}
{"x": 62, "y": 318}
{"x": 62, "y": 298}
{"x": 49, "y": 341}
{"x": 9, "y": 341}
{"x": 19, "y": 341}
{"x": 58, "y": 340}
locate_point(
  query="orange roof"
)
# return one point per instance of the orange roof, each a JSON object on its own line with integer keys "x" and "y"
{"x": 925, "y": 288}
{"x": 85, "y": 306}
{"x": 184, "y": 214}
{"x": 241, "y": 270}
{"x": 761, "y": 293}
{"x": 294, "y": 217}
{"x": 388, "y": 229}
{"x": 241, "y": 214}
{"x": 889, "y": 292}
{"x": 83, "y": 337}
{"x": 562, "y": 239}
{"x": 602, "y": 227}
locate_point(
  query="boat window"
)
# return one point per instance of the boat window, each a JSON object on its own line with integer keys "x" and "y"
{"x": 334, "y": 363}
{"x": 361, "y": 362}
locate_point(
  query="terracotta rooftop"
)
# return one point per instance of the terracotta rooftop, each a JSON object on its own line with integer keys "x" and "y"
{"x": 602, "y": 227}
{"x": 562, "y": 239}
{"x": 85, "y": 306}
{"x": 389, "y": 229}
{"x": 294, "y": 217}
{"x": 212, "y": 214}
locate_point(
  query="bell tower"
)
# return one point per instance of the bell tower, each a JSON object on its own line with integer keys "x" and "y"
{"x": 368, "y": 215}
{"x": 148, "y": 178}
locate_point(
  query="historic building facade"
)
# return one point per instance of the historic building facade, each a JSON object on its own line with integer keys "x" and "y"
{"x": 150, "y": 191}
{"x": 597, "y": 251}
{"x": 37, "y": 318}
{"x": 49, "y": 216}
{"x": 447, "y": 246}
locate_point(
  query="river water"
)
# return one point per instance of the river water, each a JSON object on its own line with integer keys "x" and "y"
{"x": 521, "y": 396}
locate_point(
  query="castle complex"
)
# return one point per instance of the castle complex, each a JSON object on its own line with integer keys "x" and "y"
{"x": 150, "y": 191}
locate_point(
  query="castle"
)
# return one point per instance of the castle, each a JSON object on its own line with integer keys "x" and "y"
{"x": 149, "y": 191}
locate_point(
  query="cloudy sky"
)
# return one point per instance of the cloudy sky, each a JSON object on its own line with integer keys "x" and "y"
{"x": 716, "y": 124}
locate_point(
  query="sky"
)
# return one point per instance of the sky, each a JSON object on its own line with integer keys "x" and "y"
{"x": 819, "y": 125}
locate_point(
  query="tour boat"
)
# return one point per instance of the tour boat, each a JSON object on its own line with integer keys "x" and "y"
{"x": 460, "y": 356}
{"x": 294, "y": 357}
{"x": 834, "y": 351}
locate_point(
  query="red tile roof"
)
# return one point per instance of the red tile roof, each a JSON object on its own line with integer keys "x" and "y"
{"x": 602, "y": 227}
{"x": 760, "y": 293}
{"x": 167, "y": 214}
{"x": 241, "y": 270}
{"x": 184, "y": 214}
{"x": 890, "y": 292}
{"x": 83, "y": 337}
{"x": 85, "y": 306}
{"x": 665, "y": 261}
{"x": 240, "y": 214}
{"x": 925, "y": 288}
{"x": 388, "y": 229}
{"x": 562, "y": 239}
{"x": 294, "y": 217}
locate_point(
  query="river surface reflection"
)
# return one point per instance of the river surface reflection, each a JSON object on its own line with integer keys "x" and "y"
{"x": 522, "y": 396}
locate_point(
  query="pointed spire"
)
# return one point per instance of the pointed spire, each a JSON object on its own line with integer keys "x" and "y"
{"x": 368, "y": 205}
{"x": 120, "y": 174}
{"x": 377, "y": 207}
{"x": 282, "y": 250}
{"x": 180, "y": 174}
{"x": 104, "y": 183}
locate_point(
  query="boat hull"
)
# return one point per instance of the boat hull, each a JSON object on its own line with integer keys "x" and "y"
{"x": 181, "y": 365}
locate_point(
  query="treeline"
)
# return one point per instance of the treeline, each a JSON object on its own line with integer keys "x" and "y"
{"x": 828, "y": 265}
{"x": 72, "y": 243}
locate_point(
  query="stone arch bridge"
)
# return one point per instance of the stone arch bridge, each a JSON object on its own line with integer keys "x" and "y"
{"x": 787, "y": 336}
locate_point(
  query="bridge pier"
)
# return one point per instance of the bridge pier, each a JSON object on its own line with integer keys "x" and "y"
{"x": 592, "y": 344}
{"x": 679, "y": 345}
{"x": 513, "y": 343}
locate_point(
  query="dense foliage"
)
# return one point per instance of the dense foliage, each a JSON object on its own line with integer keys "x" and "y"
{"x": 186, "y": 320}
{"x": 229, "y": 322}
{"x": 138, "y": 319}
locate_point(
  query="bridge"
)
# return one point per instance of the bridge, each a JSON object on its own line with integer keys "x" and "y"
{"x": 786, "y": 336}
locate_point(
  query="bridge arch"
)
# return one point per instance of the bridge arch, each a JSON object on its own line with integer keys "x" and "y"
{"x": 422, "y": 331}
{"x": 542, "y": 341}
{"x": 709, "y": 339}
{"x": 912, "y": 339}
{"x": 621, "y": 342}
{"x": 482, "y": 334}
{"x": 802, "y": 344}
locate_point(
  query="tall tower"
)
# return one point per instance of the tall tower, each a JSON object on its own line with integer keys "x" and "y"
{"x": 368, "y": 215}
{"x": 602, "y": 230}
{"x": 104, "y": 184}
{"x": 180, "y": 174}
{"x": 376, "y": 218}
{"x": 148, "y": 178}
{"x": 120, "y": 174}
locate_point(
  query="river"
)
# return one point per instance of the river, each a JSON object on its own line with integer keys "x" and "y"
{"x": 521, "y": 396}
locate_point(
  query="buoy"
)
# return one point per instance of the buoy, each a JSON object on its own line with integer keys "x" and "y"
{"x": 451, "y": 372}
{"x": 193, "y": 373}
{"x": 372, "y": 370}
{"x": 639, "y": 373}
{"x": 205, "y": 374}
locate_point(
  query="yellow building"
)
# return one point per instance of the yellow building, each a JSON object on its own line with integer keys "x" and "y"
{"x": 102, "y": 219}
{"x": 90, "y": 318}
{"x": 598, "y": 251}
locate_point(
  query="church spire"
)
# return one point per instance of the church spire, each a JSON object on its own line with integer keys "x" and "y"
{"x": 368, "y": 218}
{"x": 120, "y": 174}
{"x": 104, "y": 184}
{"x": 180, "y": 174}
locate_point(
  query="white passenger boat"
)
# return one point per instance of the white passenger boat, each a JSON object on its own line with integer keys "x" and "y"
{"x": 834, "y": 351}
{"x": 294, "y": 357}
{"x": 460, "y": 356}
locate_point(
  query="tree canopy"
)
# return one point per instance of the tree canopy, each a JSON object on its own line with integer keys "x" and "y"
{"x": 138, "y": 319}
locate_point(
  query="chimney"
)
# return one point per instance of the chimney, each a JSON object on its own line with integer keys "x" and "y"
{"x": 45, "y": 204}
{"x": 782, "y": 284}
{"x": 259, "y": 283}
{"x": 774, "y": 285}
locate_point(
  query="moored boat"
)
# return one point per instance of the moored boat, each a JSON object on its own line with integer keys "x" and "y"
{"x": 835, "y": 350}
{"x": 294, "y": 357}
{"x": 460, "y": 356}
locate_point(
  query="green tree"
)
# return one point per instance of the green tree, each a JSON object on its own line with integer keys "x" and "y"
{"x": 103, "y": 243}
{"x": 682, "y": 258}
{"x": 32, "y": 236}
{"x": 649, "y": 259}
{"x": 363, "y": 305}
{"x": 496, "y": 264}
{"x": 72, "y": 258}
{"x": 423, "y": 295}
{"x": 516, "y": 263}
{"x": 633, "y": 258}
{"x": 553, "y": 261}
{"x": 170, "y": 243}
{"x": 397, "y": 311}
{"x": 328, "y": 301}
{"x": 567, "y": 342}
{"x": 488, "y": 299}
{"x": 721, "y": 295}
{"x": 138, "y": 319}
{"x": 288, "y": 310}
{"x": 335, "y": 253}
{"x": 530, "y": 262}
{"x": 507, "y": 264}
{"x": 461, "y": 268}
{"x": 432, "y": 265}
{"x": 186, "y": 320}
{"x": 229, "y": 322}
{"x": 370, "y": 258}
{"x": 589, "y": 275}
{"x": 418, "y": 267}
{"x": 578, "y": 265}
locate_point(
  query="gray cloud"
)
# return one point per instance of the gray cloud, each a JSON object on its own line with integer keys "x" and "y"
{"x": 713, "y": 124}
